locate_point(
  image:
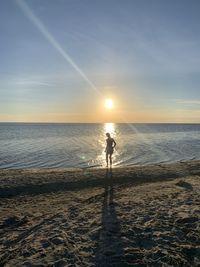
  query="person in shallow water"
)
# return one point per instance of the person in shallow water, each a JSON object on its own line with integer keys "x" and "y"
{"x": 110, "y": 145}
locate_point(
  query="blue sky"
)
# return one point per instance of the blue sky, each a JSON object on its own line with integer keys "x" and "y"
{"x": 60, "y": 59}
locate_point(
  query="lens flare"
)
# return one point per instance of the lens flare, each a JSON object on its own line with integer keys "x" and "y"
{"x": 41, "y": 27}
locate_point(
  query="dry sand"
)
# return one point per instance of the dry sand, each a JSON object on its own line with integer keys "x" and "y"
{"x": 140, "y": 216}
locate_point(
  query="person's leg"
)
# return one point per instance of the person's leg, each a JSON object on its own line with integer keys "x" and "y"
{"x": 107, "y": 159}
{"x": 110, "y": 159}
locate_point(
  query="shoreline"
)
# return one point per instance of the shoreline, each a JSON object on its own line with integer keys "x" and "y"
{"x": 136, "y": 216}
{"x": 99, "y": 166}
{"x": 37, "y": 181}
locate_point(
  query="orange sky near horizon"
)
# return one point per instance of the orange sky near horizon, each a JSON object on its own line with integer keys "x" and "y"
{"x": 103, "y": 116}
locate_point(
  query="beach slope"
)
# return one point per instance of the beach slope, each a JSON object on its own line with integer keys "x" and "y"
{"x": 136, "y": 216}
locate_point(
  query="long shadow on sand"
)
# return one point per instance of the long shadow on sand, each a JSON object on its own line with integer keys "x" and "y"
{"x": 110, "y": 247}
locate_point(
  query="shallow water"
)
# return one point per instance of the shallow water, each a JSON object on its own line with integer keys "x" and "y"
{"x": 82, "y": 145}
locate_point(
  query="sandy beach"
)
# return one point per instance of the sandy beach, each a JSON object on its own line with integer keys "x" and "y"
{"x": 138, "y": 216}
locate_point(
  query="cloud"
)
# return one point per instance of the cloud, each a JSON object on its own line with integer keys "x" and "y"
{"x": 188, "y": 102}
{"x": 32, "y": 82}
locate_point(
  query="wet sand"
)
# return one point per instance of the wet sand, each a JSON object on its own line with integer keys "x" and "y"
{"x": 139, "y": 216}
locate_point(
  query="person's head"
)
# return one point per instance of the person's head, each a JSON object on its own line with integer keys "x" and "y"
{"x": 108, "y": 134}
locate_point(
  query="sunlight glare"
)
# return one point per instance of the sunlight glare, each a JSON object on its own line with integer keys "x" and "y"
{"x": 108, "y": 103}
{"x": 109, "y": 128}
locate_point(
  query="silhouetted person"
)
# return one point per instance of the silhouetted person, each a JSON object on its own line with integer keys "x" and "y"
{"x": 110, "y": 144}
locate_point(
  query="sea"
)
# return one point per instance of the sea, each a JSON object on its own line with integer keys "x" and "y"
{"x": 82, "y": 145}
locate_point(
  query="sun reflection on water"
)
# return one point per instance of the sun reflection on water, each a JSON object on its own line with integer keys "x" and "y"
{"x": 107, "y": 128}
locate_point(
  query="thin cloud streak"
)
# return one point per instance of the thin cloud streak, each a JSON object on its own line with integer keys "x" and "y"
{"x": 188, "y": 102}
{"x": 30, "y": 83}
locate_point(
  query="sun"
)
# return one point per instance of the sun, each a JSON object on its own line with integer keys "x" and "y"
{"x": 109, "y": 103}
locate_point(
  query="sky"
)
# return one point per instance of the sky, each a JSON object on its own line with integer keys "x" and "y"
{"x": 60, "y": 60}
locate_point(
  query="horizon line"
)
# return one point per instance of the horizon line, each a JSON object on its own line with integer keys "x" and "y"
{"x": 45, "y": 122}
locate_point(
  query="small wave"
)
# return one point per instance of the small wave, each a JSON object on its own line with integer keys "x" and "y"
{"x": 91, "y": 166}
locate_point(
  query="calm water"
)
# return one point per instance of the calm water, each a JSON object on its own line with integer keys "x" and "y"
{"x": 82, "y": 145}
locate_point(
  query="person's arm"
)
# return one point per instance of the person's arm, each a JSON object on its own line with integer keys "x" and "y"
{"x": 114, "y": 143}
{"x": 105, "y": 147}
